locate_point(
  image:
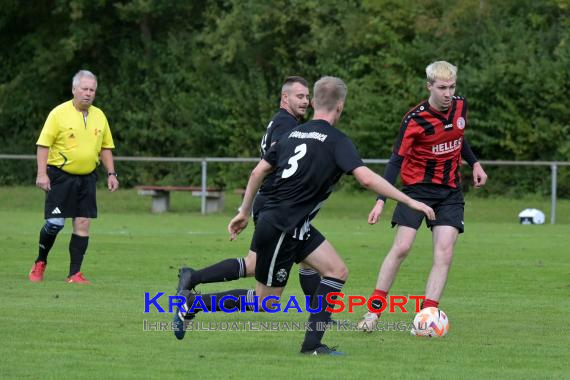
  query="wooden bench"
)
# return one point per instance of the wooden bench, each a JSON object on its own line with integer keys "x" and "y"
{"x": 161, "y": 197}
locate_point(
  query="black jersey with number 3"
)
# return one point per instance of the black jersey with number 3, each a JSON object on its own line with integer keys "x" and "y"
{"x": 308, "y": 162}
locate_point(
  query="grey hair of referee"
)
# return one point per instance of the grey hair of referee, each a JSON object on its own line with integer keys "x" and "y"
{"x": 83, "y": 74}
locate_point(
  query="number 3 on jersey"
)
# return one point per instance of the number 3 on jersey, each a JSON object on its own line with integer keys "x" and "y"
{"x": 300, "y": 151}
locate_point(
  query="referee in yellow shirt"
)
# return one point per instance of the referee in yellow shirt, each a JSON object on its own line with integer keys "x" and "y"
{"x": 74, "y": 138}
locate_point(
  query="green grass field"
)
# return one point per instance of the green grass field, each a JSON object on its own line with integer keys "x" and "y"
{"x": 507, "y": 297}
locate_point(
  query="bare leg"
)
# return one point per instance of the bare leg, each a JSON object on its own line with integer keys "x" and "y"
{"x": 250, "y": 260}
{"x": 327, "y": 262}
{"x": 264, "y": 291}
{"x": 402, "y": 245}
{"x": 444, "y": 238}
{"x": 81, "y": 226}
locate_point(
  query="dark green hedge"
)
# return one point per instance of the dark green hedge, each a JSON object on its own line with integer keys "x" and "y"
{"x": 202, "y": 78}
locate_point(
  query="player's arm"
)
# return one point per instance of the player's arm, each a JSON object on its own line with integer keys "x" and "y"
{"x": 108, "y": 163}
{"x": 390, "y": 174}
{"x": 42, "y": 179}
{"x": 479, "y": 175}
{"x": 370, "y": 180}
{"x": 258, "y": 174}
{"x": 467, "y": 153}
{"x": 256, "y": 178}
{"x": 392, "y": 171}
{"x": 402, "y": 143}
{"x": 45, "y": 141}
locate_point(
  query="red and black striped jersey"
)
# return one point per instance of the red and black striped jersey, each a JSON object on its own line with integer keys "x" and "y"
{"x": 430, "y": 144}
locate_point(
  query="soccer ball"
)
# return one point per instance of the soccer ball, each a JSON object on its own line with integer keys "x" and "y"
{"x": 430, "y": 322}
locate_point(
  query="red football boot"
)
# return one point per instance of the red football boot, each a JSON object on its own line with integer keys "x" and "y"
{"x": 77, "y": 278}
{"x": 37, "y": 272}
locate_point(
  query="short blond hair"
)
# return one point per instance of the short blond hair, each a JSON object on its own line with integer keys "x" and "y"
{"x": 328, "y": 91}
{"x": 441, "y": 70}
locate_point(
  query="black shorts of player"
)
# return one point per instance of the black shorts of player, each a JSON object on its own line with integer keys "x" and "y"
{"x": 447, "y": 203}
{"x": 258, "y": 203}
{"x": 70, "y": 195}
{"x": 278, "y": 250}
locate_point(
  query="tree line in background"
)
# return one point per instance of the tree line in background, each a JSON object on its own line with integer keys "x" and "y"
{"x": 202, "y": 77}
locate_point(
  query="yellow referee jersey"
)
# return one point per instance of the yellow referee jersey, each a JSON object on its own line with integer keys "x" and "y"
{"x": 74, "y": 142}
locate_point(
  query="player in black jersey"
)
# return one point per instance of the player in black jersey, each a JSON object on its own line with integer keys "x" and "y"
{"x": 428, "y": 153}
{"x": 292, "y": 108}
{"x": 306, "y": 165}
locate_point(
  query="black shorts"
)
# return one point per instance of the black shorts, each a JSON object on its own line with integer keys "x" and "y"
{"x": 71, "y": 195}
{"x": 447, "y": 203}
{"x": 258, "y": 203}
{"x": 277, "y": 251}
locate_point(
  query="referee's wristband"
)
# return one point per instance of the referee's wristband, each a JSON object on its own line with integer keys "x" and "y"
{"x": 111, "y": 174}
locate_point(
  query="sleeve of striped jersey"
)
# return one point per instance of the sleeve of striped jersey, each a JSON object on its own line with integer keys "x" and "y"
{"x": 401, "y": 146}
{"x": 392, "y": 171}
{"x": 467, "y": 154}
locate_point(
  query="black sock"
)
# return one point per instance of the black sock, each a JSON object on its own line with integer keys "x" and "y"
{"x": 208, "y": 300}
{"x": 313, "y": 338}
{"x": 77, "y": 249}
{"x": 47, "y": 238}
{"x": 225, "y": 270}
{"x": 310, "y": 280}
